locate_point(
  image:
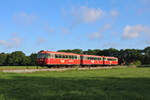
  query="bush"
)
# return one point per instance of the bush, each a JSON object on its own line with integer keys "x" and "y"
{"x": 137, "y": 63}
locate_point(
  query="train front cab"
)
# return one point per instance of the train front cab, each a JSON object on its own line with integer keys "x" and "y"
{"x": 42, "y": 59}
{"x": 51, "y": 59}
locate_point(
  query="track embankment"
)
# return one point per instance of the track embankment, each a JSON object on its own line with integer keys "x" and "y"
{"x": 55, "y": 69}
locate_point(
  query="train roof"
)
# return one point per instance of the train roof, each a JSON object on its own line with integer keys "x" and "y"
{"x": 66, "y": 53}
{"x": 98, "y": 56}
{"x": 63, "y": 53}
{"x": 109, "y": 57}
{"x": 92, "y": 55}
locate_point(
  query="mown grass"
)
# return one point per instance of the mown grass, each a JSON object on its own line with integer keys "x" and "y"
{"x": 106, "y": 84}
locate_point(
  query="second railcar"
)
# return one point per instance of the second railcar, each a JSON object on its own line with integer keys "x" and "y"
{"x": 91, "y": 60}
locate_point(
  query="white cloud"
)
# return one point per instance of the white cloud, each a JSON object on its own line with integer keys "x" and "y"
{"x": 135, "y": 31}
{"x": 86, "y": 14}
{"x": 24, "y": 18}
{"x": 114, "y": 13}
{"x": 13, "y": 42}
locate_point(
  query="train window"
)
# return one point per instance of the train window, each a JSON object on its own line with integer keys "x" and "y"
{"x": 109, "y": 59}
{"x": 112, "y": 59}
{"x": 75, "y": 57}
{"x": 71, "y": 57}
{"x": 48, "y": 56}
{"x": 56, "y": 56}
{"x": 105, "y": 59}
{"x": 67, "y": 57}
{"x": 42, "y": 55}
{"x": 63, "y": 56}
{"x": 52, "y": 56}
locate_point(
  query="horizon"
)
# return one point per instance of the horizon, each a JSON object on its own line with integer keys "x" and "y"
{"x": 34, "y": 25}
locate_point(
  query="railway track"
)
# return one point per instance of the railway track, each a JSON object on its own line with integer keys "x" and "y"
{"x": 56, "y": 69}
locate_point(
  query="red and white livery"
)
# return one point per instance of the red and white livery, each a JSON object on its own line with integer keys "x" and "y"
{"x": 57, "y": 58}
{"x": 50, "y": 58}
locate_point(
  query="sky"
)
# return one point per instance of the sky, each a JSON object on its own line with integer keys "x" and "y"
{"x": 34, "y": 25}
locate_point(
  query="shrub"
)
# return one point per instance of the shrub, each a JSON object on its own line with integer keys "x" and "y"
{"x": 137, "y": 63}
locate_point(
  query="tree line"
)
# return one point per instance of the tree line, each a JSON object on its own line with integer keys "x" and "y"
{"x": 125, "y": 56}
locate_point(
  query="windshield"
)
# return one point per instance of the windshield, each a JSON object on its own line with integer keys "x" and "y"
{"x": 42, "y": 55}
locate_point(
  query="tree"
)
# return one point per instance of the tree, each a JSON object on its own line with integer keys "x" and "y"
{"x": 109, "y": 52}
{"x": 146, "y": 53}
{"x": 3, "y": 58}
{"x": 33, "y": 58}
{"x": 16, "y": 58}
{"x": 128, "y": 56}
{"x": 77, "y": 51}
{"x": 91, "y": 52}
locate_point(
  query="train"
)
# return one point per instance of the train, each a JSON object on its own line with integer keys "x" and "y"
{"x": 52, "y": 59}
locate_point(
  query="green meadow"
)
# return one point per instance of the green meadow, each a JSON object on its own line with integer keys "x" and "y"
{"x": 104, "y": 84}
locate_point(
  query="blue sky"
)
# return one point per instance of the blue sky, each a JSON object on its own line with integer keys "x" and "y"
{"x": 34, "y": 25}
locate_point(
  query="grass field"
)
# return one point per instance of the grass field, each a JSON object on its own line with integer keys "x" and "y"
{"x": 106, "y": 84}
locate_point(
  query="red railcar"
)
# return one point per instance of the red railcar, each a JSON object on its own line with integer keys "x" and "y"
{"x": 110, "y": 60}
{"x": 91, "y": 60}
{"x": 50, "y": 58}
{"x": 57, "y": 58}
